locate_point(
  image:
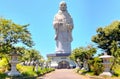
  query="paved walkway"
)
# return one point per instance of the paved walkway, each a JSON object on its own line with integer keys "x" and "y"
{"x": 63, "y": 74}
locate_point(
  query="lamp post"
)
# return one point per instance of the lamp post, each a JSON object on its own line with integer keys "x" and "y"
{"x": 106, "y": 63}
{"x": 14, "y": 61}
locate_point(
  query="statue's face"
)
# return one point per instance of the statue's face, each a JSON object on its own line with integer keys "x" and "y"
{"x": 63, "y": 6}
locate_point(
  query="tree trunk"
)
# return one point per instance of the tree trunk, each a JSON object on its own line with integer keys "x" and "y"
{"x": 78, "y": 64}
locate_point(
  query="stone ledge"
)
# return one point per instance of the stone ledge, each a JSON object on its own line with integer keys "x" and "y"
{"x": 58, "y": 54}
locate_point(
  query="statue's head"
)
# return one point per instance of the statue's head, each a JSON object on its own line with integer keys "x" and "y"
{"x": 63, "y": 6}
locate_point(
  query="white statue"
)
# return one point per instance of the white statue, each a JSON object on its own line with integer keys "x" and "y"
{"x": 63, "y": 25}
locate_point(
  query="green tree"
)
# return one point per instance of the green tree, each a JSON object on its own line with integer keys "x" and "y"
{"x": 108, "y": 39}
{"x": 31, "y": 54}
{"x": 77, "y": 55}
{"x": 81, "y": 54}
{"x": 11, "y": 34}
{"x": 90, "y": 51}
{"x": 35, "y": 54}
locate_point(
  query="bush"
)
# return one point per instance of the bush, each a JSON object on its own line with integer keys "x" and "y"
{"x": 77, "y": 70}
{"x": 29, "y": 71}
{"x": 97, "y": 66}
{"x": 3, "y": 76}
{"x": 4, "y": 65}
{"x": 116, "y": 70}
{"x": 26, "y": 70}
{"x": 44, "y": 71}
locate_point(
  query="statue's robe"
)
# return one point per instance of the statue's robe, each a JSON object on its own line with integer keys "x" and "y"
{"x": 63, "y": 25}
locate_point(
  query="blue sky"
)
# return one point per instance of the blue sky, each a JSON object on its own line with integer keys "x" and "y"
{"x": 87, "y": 15}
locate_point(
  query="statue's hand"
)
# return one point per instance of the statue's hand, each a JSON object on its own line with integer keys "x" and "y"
{"x": 60, "y": 23}
{"x": 69, "y": 27}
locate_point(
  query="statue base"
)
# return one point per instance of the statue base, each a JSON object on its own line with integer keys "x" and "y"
{"x": 106, "y": 74}
{"x": 14, "y": 73}
{"x": 61, "y": 61}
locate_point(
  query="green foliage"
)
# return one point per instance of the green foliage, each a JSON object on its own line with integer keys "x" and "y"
{"x": 83, "y": 53}
{"x": 11, "y": 34}
{"x": 30, "y": 54}
{"x": 4, "y": 65}
{"x": 84, "y": 72}
{"x": 78, "y": 55}
{"x": 97, "y": 67}
{"x": 29, "y": 73}
{"x": 77, "y": 70}
{"x": 116, "y": 70}
{"x": 44, "y": 71}
{"x": 3, "y": 76}
{"x": 107, "y": 38}
{"x": 28, "y": 70}
{"x": 3, "y": 62}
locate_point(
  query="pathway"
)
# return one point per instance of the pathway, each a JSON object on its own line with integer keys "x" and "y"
{"x": 63, "y": 74}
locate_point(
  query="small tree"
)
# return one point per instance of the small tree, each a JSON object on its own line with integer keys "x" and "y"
{"x": 82, "y": 54}
{"x": 11, "y": 34}
{"x": 77, "y": 55}
{"x": 108, "y": 39}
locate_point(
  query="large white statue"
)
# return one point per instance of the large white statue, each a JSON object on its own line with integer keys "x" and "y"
{"x": 63, "y": 25}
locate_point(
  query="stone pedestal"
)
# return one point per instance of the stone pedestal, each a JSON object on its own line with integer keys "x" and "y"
{"x": 106, "y": 74}
{"x": 61, "y": 61}
{"x": 13, "y": 71}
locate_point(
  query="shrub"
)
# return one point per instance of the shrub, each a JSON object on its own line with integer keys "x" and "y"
{"x": 44, "y": 70}
{"x": 4, "y": 65}
{"x": 28, "y": 70}
{"x": 3, "y": 76}
{"x": 77, "y": 70}
{"x": 97, "y": 66}
{"x": 116, "y": 70}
